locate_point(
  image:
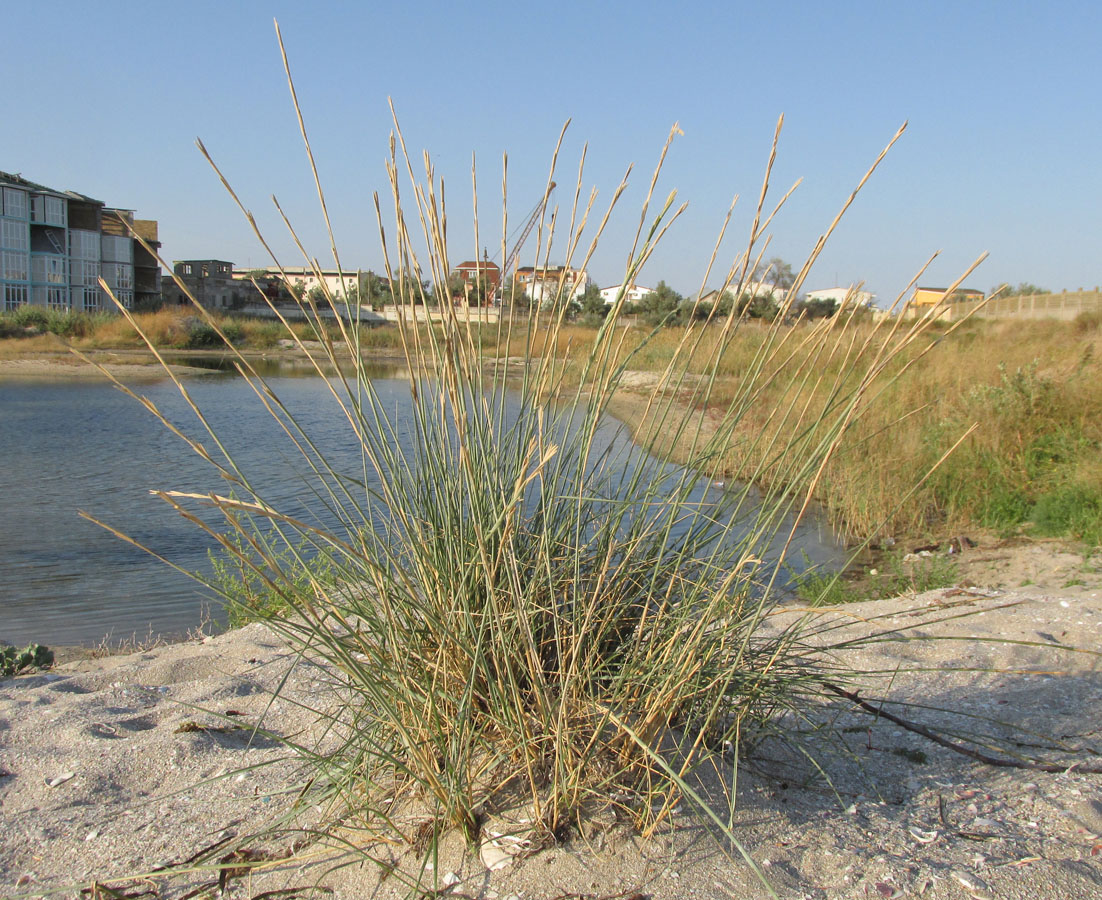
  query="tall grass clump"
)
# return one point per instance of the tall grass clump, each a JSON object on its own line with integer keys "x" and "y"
{"x": 521, "y": 608}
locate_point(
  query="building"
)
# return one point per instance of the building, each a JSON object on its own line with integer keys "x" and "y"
{"x": 56, "y": 245}
{"x": 756, "y": 290}
{"x": 542, "y": 283}
{"x": 931, "y": 296}
{"x": 477, "y": 275}
{"x": 334, "y": 281}
{"x": 210, "y": 282}
{"x": 839, "y": 294}
{"x": 120, "y": 225}
{"x": 633, "y": 294}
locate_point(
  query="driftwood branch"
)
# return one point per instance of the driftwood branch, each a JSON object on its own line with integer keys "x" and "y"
{"x": 916, "y": 728}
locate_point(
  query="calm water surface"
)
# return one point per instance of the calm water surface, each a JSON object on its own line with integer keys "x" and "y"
{"x": 67, "y": 446}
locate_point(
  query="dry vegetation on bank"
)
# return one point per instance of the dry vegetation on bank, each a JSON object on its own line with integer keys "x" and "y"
{"x": 1028, "y": 389}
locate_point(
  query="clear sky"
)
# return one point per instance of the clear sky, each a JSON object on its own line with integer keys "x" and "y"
{"x": 1002, "y": 153}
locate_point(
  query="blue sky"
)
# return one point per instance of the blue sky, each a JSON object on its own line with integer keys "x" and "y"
{"x": 1001, "y": 155}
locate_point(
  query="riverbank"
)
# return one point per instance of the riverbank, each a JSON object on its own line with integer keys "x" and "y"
{"x": 121, "y": 365}
{"x": 118, "y": 765}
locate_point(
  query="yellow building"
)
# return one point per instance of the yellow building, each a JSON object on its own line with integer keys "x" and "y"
{"x": 930, "y": 296}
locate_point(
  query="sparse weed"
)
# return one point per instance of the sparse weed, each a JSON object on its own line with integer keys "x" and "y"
{"x": 896, "y": 575}
{"x": 256, "y": 581}
{"x": 827, "y": 588}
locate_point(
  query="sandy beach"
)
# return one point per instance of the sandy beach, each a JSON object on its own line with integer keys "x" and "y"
{"x": 122, "y": 765}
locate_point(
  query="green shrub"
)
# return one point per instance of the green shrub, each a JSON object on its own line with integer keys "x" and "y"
{"x": 825, "y": 588}
{"x": 28, "y": 316}
{"x": 16, "y": 662}
{"x": 202, "y": 335}
{"x": 896, "y": 575}
{"x": 1088, "y": 321}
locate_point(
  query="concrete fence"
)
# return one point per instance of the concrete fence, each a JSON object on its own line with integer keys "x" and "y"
{"x": 1065, "y": 305}
{"x": 485, "y": 314}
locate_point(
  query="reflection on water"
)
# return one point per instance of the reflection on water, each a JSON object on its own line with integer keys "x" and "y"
{"x": 69, "y": 446}
{"x": 282, "y": 364}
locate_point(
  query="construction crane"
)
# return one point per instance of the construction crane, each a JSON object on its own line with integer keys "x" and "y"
{"x": 533, "y": 217}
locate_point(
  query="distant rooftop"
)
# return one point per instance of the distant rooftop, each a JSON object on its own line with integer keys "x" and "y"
{"x": 17, "y": 180}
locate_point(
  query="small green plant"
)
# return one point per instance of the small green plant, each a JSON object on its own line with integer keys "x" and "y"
{"x": 28, "y": 316}
{"x": 916, "y": 574}
{"x": 825, "y": 588}
{"x": 257, "y": 580}
{"x": 898, "y": 574}
{"x": 31, "y": 657}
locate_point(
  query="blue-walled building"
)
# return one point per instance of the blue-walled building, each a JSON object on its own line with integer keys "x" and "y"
{"x": 56, "y": 245}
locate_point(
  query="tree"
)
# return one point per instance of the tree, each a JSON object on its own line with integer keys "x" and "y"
{"x": 513, "y": 295}
{"x": 373, "y": 291}
{"x": 592, "y": 305}
{"x": 761, "y": 307}
{"x": 316, "y": 295}
{"x": 662, "y": 306}
{"x": 775, "y": 272}
{"x": 817, "y": 308}
{"x": 1024, "y": 289}
{"x": 297, "y": 290}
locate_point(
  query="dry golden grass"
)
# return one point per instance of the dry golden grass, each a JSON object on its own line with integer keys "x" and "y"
{"x": 1027, "y": 386}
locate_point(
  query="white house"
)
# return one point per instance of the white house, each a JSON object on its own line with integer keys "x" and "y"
{"x": 333, "y": 280}
{"x": 542, "y": 284}
{"x": 838, "y": 294}
{"x": 633, "y": 294}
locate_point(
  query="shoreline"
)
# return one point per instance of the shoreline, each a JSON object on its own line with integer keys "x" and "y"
{"x": 142, "y": 364}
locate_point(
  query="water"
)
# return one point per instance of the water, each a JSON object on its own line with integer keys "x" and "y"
{"x": 67, "y": 446}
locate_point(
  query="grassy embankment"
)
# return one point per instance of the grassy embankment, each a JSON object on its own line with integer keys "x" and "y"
{"x": 1029, "y": 388}
{"x": 30, "y": 330}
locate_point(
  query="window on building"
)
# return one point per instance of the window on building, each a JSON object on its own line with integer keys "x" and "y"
{"x": 57, "y": 270}
{"x": 84, "y": 244}
{"x": 14, "y": 266}
{"x": 205, "y": 272}
{"x": 13, "y": 235}
{"x": 48, "y": 269}
{"x": 15, "y": 295}
{"x": 187, "y": 270}
{"x": 88, "y": 297}
{"x": 15, "y": 203}
{"x": 116, "y": 248}
{"x": 84, "y": 271}
{"x": 118, "y": 275}
{"x": 55, "y": 211}
{"x": 57, "y": 297}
